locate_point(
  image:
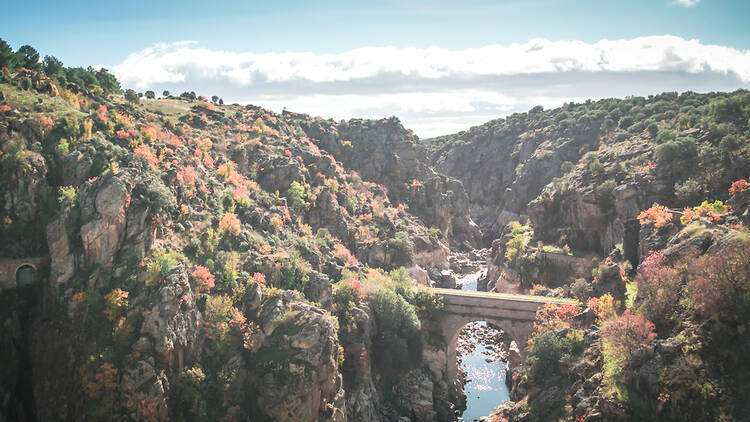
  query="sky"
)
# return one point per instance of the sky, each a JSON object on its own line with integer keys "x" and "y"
{"x": 440, "y": 66}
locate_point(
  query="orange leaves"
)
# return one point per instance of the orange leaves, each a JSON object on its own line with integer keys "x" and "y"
{"x": 739, "y": 186}
{"x": 126, "y": 134}
{"x": 46, "y": 122}
{"x": 145, "y": 152}
{"x": 187, "y": 175}
{"x": 230, "y": 224}
{"x": 259, "y": 278}
{"x": 658, "y": 215}
{"x": 203, "y": 279}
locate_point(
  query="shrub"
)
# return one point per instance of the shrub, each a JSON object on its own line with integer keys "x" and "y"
{"x": 230, "y": 224}
{"x": 398, "y": 339}
{"x": 203, "y": 279}
{"x": 158, "y": 197}
{"x": 547, "y": 352}
{"x": 401, "y": 249}
{"x": 628, "y": 333}
{"x": 659, "y": 286}
{"x": 116, "y": 303}
{"x": 581, "y": 289}
{"x": 658, "y": 215}
{"x": 297, "y": 197}
{"x": 720, "y": 285}
{"x": 67, "y": 195}
{"x": 162, "y": 263}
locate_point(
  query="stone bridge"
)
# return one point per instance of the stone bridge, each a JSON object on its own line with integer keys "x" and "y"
{"x": 514, "y": 314}
{"x": 9, "y": 268}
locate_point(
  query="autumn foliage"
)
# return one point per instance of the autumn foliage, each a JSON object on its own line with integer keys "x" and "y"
{"x": 230, "y": 224}
{"x": 204, "y": 280}
{"x": 628, "y": 332}
{"x": 658, "y": 215}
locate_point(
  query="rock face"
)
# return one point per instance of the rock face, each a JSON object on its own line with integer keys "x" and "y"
{"x": 388, "y": 154}
{"x": 297, "y": 364}
{"x": 173, "y": 322}
{"x": 170, "y": 339}
{"x": 504, "y": 167}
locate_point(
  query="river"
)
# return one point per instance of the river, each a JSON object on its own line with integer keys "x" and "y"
{"x": 485, "y": 387}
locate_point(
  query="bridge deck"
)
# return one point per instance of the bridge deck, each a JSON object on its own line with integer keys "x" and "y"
{"x": 501, "y": 296}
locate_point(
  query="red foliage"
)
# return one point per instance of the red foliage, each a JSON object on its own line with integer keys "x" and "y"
{"x": 719, "y": 284}
{"x": 145, "y": 152}
{"x": 259, "y": 278}
{"x": 594, "y": 304}
{"x": 567, "y": 310}
{"x": 187, "y": 175}
{"x": 628, "y": 332}
{"x": 203, "y": 278}
{"x": 739, "y": 186}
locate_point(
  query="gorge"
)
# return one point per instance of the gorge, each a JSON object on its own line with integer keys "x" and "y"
{"x": 178, "y": 258}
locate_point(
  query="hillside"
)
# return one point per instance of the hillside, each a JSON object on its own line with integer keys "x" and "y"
{"x": 211, "y": 261}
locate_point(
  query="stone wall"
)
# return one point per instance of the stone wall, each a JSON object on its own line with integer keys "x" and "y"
{"x": 9, "y": 266}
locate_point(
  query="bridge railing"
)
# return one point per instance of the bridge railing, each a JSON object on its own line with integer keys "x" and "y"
{"x": 501, "y": 296}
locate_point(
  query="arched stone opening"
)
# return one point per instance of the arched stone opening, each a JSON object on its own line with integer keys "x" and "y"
{"x": 517, "y": 330}
{"x": 26, "y": 275}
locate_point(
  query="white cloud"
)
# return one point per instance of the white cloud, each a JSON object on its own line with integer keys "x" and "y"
{"x": 687, "y": 3}
{"x": 436, "y": 90}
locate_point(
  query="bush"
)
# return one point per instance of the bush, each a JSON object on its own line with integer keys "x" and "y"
{"x": 581, "y": 289}
{"x": 131, "y": 96}
{"x": 162, "y": 263}
{"x": 398, "y": 338}
{"x": 546, "y": 354}
{"x": 297, "y": 197}
{"x": 401, "y": 249}
{"x": 158, "y": 197}
{"x": 628, "y": 333}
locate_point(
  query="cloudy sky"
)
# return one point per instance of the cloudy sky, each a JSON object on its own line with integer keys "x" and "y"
{"x": 440, "y": 66}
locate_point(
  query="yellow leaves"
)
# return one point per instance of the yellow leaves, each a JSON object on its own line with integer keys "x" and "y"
{"x": 117, "y": 303}
{"x": 87, "y": 126}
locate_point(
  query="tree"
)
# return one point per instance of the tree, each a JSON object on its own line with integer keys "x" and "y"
{"x": 150, "y": 95}
{"x": 296, "y": 196}
{"x": 7, "y": 58}
{"x": 52, "y": 66}
{"x": 165, "y": 93}
{"x": 546, "y": 352}
{"x": 203, "y": 278}
{"x": 131, "y": 96}
{"x": 107, "y": 81}
{"x": 221, "y": 101}
{"x": 28, "y": 57}
{"x": 659, "y": 215}
{"x": 628, "y": 333}
{"x": 140, "y": 95}
{"x": 214, "y": 98}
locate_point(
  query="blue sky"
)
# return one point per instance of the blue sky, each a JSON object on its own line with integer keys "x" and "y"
{"x": 124, "y": 36}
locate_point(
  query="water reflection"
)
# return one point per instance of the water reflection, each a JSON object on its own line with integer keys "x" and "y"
{"x": 485, "y": 387}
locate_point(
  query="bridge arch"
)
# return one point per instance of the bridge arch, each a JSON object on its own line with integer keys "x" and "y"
{"x": 513, "y": 314}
